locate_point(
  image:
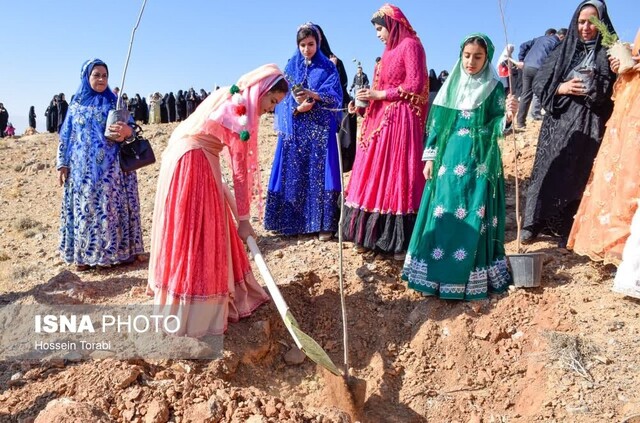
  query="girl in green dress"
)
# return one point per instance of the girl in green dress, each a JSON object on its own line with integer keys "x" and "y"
{"x": 457, "y": 247}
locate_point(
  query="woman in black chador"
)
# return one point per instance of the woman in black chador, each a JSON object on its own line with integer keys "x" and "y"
{"x": 32, "y": 117}
{"x": 63, "y": 106}
{"x": 164, "y": 112}
{"x": 4, "y": 119}
{"x": 52, "y": 115}
{"x": 181, "y": 106}
{"x": 192, "y": 101}
{"x": 574, "y": 86}
{"x": 203, "y": 94}
{"x": 171, "y": 107}
{"x": 139, "y": 110}
{"x": 145, "y": 111}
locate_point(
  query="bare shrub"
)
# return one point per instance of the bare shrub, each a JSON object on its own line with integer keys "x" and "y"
{"x": 572, "y": 352}
{"x": 20, "y": 273}
{"x": 26, "y": 223}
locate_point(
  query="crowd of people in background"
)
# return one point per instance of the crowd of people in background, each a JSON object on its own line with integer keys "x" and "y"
{"x": 162, "y": 108}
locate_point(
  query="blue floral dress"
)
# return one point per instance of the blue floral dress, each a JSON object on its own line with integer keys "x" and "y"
{"x": 100, "y": 216}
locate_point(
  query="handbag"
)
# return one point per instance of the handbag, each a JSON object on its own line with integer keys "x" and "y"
{"x": 136, "y": 153}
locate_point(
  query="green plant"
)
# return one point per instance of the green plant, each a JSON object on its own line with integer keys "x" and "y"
{"x": 608, "y": 39}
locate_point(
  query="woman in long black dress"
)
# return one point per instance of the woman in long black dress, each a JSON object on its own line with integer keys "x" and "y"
{"x": 32, "y": 117}
{"x": 574, "y": 86}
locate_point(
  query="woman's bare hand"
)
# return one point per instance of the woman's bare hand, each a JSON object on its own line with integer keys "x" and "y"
{"x": 122, "y": 129}
{"x": 511, "y": 106}
{"x": 572, "y": 87}
{"x": 63, "y": 175}
{"x": 428, "y": 169}
{"x": 367, "y": 94}
{"x": 245, "y": 230}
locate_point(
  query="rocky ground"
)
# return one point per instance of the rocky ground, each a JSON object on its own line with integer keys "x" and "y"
{"x": 566, "y": 351}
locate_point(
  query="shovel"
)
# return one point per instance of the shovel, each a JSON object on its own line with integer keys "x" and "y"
{"x": 306, "y": 343}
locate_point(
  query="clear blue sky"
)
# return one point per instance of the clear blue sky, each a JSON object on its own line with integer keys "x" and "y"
{"x": 201, "y": 43}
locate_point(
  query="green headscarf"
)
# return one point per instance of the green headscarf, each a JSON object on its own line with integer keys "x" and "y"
{"x": 462, "y": 91}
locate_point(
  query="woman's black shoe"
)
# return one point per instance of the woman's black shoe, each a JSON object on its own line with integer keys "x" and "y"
{"x": 527, "y": 237}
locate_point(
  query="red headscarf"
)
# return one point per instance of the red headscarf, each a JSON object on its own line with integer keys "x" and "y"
{"x": 397, "y": 24}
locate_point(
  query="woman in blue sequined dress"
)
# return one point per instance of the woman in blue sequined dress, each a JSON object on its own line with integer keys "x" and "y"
{"x": 304, "y": 187}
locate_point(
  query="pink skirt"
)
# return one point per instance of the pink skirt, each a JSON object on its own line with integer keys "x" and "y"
{"x": 387, "y": 173}
{"x": 202, "y": 273}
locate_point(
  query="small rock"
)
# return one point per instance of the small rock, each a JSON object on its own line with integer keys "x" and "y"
{"x": 127, "y": 415}
{"x": 102, "y": 354}
{"x": 602, "y": 359}
{"x": 68, "y": 410}
{"x": 73, "y": 357}
{"x": 481, "y": 334}
{"x": 270, "y": 410}
{"x": 294, "y": 356}
{"x": 577, "y": 410}
{"x": 53, "y": 362}
{"x": 158, "y": 412}
{"x": 17, "y": 379}
{"x": 126, "y": 377}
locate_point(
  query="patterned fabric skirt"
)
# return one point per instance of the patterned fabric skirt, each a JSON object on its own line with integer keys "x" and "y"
{"x": 100, "y": 222}
{"x": 304, "y": 187}
{"x": 457, "y": 246}
{"x": 202, "y": 272}
{"x": 386, "y": 184}
{"x": 602, "y": 223}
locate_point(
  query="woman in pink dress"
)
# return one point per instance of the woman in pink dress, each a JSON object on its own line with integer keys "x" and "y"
{"x": 386, "y": 184}
{"x": 198, "y": 268}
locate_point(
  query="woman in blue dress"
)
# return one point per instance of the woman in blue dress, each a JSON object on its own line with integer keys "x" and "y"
{"x": 100, "y": 216}
{"x": 304, "y": 187}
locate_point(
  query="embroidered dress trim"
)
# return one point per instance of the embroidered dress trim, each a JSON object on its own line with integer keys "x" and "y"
{"x": 494, "y": 278}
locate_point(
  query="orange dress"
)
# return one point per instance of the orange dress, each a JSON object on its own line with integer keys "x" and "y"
{"x": 603, "y": 221}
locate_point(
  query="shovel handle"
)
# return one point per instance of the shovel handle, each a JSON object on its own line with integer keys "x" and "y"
{"x": 281, "y": 305}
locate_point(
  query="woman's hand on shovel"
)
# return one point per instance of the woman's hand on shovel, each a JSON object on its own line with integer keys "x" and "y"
{"x": 245, "y": 230}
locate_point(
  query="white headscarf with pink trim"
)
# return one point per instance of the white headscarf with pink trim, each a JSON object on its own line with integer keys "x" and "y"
{"x": 219, "y": 108}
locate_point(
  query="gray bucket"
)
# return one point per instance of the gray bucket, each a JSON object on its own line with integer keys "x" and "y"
{"x": 526, "y": 269}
